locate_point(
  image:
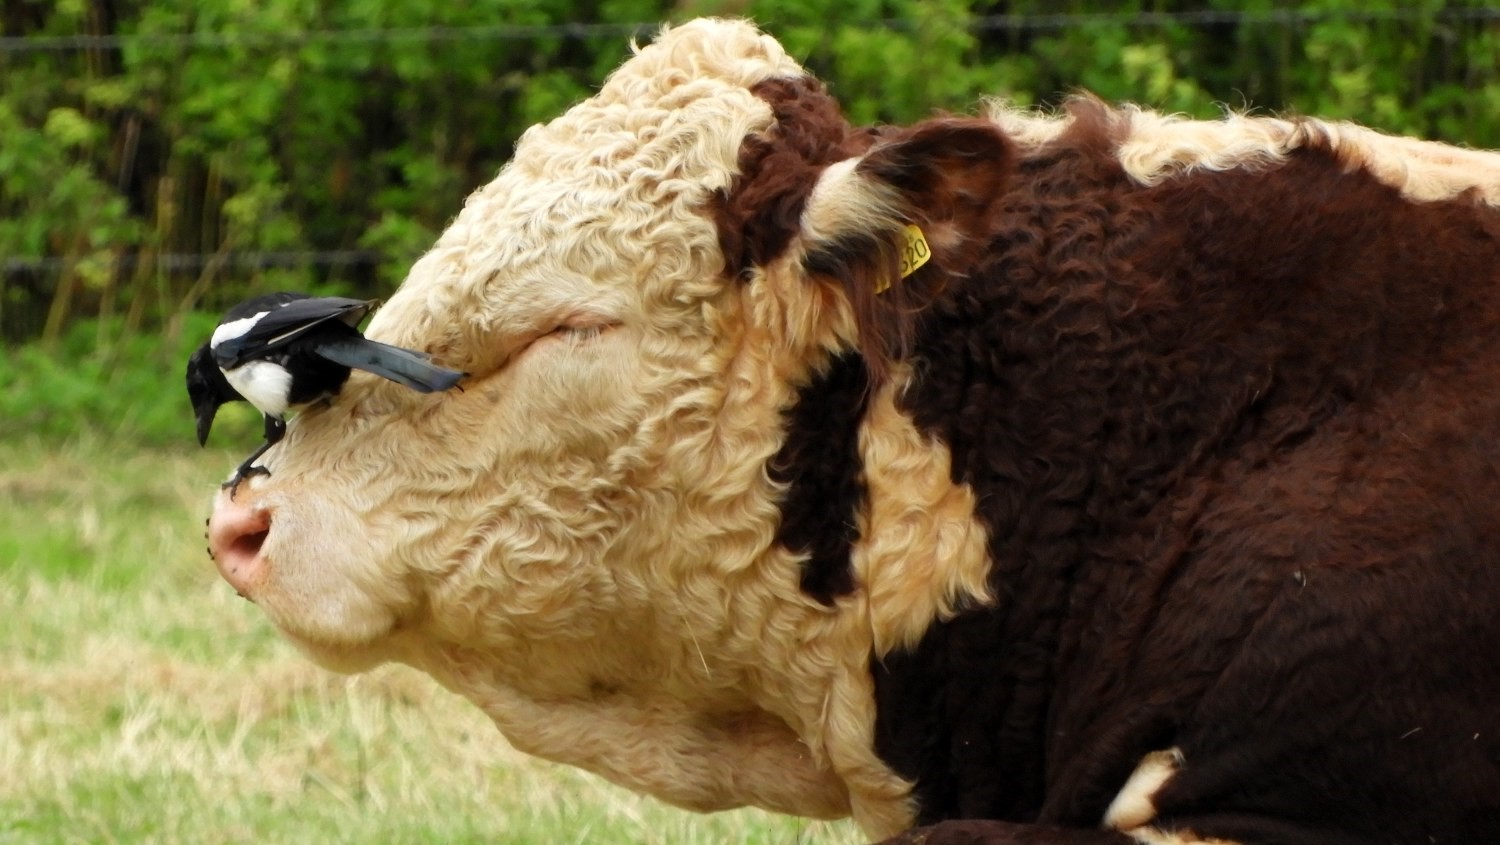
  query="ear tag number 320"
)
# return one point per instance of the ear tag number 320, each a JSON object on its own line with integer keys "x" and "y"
{"x": 914, "y": 253}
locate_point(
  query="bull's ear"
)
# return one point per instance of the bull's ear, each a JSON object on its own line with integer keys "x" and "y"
{"x": 897, "y": 226}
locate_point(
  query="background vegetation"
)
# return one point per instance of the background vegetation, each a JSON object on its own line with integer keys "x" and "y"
{"x": 160, "y": 160}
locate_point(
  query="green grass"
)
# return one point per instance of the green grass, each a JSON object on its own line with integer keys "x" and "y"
{"x": 142, "y": 701}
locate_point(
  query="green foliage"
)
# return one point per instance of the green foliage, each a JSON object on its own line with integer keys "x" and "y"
{"x": 141, "y": 176}
{"x": 101, "y": 382}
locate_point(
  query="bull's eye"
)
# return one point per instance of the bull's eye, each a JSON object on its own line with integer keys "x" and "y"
{"x": 573, "y": 333}
{"x": 583, "y": 328}
{"x": 581, "y": 334}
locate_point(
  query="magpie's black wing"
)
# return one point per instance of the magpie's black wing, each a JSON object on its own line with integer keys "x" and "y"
{"x": 403, "y": 366}
{"x": 265, "y": 302}
{"x": 287, "y": 317}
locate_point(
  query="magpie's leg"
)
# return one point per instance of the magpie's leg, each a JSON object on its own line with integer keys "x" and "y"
{"x": 275, "y": 430}
{"x": 246, "y": 469}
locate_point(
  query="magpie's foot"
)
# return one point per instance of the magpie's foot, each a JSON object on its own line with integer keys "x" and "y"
{"x": 244, "y": 472}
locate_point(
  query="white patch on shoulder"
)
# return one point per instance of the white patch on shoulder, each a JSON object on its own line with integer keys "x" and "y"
{"x": 234, "y": 329}
{"x": 1157, "y": 836}
{"x": 263, "y": 384}
{"x": 1134, "y": 807}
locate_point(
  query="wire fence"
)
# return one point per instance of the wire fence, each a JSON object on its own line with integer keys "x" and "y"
{"x": 1019, "y": 23}
{"x": 192, "y": 262}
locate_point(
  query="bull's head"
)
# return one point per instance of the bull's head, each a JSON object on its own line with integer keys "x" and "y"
{"x": 587, "y": 540}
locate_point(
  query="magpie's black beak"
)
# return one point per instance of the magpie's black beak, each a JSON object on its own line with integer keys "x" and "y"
{"x": 206, "y": 412}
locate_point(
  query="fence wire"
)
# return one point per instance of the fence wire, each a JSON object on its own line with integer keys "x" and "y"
{"x": 1019, "y": 23}
{"x": 186, "y": 262}
{"x": 30, "y": 271}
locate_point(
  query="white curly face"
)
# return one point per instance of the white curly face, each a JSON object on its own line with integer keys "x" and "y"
{"x": 581, "y": 290}
{"x": 581, "y": 539}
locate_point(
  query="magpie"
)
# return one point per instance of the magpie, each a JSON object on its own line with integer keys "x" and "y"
{"x": 283, "y": 351}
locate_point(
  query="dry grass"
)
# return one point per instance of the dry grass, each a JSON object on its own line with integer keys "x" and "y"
{"x": 141, "y": 701}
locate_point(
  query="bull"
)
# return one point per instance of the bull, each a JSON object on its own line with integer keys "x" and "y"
{"x": 1090, "y": 477}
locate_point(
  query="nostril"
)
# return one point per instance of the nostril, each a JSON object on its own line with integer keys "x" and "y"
{"x": 248, "y": 546}
{"x": 239, "y": 552}
{"x": 236, "y": 536}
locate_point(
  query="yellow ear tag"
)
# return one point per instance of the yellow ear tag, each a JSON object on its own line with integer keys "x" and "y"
{"x": 914, "y": 253}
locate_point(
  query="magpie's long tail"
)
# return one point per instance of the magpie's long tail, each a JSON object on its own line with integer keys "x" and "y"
{"x": 402, "y": 366}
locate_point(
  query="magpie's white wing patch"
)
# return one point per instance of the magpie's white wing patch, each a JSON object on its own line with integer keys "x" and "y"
{"x": 234, "y": 329}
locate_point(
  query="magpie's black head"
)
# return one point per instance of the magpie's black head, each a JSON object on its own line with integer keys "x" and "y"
{"x": 207, "y": 388}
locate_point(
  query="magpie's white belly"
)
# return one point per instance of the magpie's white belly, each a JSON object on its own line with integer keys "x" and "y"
{"x": 263, "y": 384}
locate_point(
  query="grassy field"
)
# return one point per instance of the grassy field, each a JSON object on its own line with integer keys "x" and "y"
{"x": 142, "y": 701}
